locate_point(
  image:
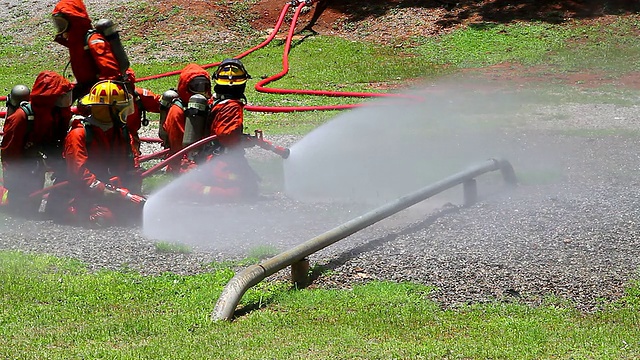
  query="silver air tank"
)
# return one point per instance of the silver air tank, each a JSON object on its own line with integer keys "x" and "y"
{"x": 196, "y": 117}
{"x": 107, "y": 28}
{"x": 165, "y": 103}
{"x": 18, "y": 94}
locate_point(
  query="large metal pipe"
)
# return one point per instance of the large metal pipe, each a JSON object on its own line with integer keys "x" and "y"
{"x": 241, "y": 282}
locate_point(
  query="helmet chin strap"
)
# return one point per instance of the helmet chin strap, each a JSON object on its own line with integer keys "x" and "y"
{"x": 115, "y": 118}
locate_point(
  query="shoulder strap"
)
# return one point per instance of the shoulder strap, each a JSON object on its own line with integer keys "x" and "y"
{"x": 143, "y": 111}
{"x": 88, "y": 131}
{"x": 78, "y": 121}
{"x": 26, "y": 107}
{"x": 86, "y": 38}
{"x": 179, "y": 102}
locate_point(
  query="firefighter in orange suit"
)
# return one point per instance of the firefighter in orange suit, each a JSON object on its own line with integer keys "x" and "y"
{"x": 99, "y": 156}
{"x": 33, "y": 140}
{"x": 90, "y": 54}
{"x": 193, "y": 80}
{"x": 228, "y": 175}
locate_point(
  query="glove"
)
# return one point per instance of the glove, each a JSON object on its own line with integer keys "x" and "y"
{"x": 110, "y": 190}
{"x": 137, "y": 199}
{"x": 101, "y": 216}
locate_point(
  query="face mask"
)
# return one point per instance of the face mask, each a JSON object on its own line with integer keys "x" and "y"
{"x": 200, "y": 85}
{"x": 60, "y": 24}
{"x": 64, "y": 100}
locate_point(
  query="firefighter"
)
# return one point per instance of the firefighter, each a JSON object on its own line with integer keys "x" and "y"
{"x": 33, "y": 139}
{"x": 229, "y": 175}
{"x": 99, "y": 156}
{"x": 193, "y": 80}
{"x": 90, "y": 54}
{"x": 144, "y": 100}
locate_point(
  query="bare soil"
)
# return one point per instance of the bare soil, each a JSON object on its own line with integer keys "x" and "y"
{"x": 396, "y": 21}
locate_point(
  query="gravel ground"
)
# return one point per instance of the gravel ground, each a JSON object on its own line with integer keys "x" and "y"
{"x": 573, "y": 240}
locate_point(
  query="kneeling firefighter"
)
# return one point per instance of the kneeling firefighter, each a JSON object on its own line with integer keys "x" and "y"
{"x": 99, "y": 153}
{"x": 227, "y": 174}
{"x": 34, "y": 133}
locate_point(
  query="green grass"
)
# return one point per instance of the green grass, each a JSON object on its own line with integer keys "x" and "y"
{"x": 53, "y": 308}
{"x": 488, "y": 43}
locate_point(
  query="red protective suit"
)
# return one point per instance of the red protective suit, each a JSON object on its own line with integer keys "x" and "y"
{"x": 174, "y": 124}
{"x": 227, "y": 122}
{"x": 94, "y": 158}
{"x": 88, "y": 65}
{"x": 25, "y": 144}
{"x": 227, "y": 177}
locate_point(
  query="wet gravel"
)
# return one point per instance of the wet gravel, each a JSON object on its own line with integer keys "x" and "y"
{"x": 573, "y": 240}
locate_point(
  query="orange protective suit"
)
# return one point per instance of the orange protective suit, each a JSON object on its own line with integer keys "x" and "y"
{"x": 88, "y": 65}
{"x": 227, "y": 122}
{"x": 175, "y": 122}
{"x": 227, "y": 176}
{"x": 31, "y": 148}
{"x": 95, "y": 158}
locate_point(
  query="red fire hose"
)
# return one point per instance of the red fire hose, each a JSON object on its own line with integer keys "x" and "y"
{"x": 260, "y": 86}
{"x": 177, "y": 155}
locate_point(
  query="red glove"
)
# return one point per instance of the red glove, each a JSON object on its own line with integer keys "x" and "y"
{"x": 101, "y": 216}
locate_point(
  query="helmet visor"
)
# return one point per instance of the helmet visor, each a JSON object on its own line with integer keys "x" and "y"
{"x": 231, "y": 74}
{"x": 124, "y": 109}
{"x": 60, "y": 24}
{"x": 200, "y": 85}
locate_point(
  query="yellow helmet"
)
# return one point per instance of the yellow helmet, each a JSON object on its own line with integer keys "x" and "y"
{"x": 106, "y": 96}
{"x": 231, "y": 72}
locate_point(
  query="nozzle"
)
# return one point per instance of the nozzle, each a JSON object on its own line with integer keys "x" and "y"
{"x": 282, "y": 151}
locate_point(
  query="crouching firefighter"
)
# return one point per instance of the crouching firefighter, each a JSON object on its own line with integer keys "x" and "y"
{"x": 194, "y": 84}
{"x": 31, "y": 147}
{"x": 99, "y": 153}
{"x": 225, "y": 174}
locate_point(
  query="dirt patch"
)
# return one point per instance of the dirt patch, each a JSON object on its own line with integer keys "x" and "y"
{"x": 382, "y": 20}
{"x": 396, "y": 21}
